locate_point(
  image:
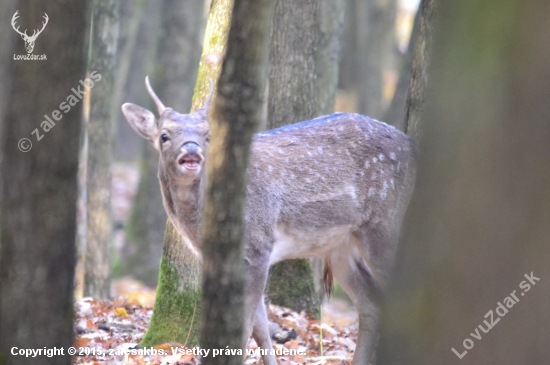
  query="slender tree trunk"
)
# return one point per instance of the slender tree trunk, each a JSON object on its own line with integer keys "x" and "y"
{"x": 175, "y": 75}
{"x": 136, "y": 62}
{"x": 476, "y": 237}
{"x": 38, "y": 209}
{"x": 97, "y": 279}
{"x": 368, "y": 52}
{"x": 144, "y": 229}
{"x": 302, "y": 85}
{"x": 236, "y": 114}
{"x": 177, "y": 312}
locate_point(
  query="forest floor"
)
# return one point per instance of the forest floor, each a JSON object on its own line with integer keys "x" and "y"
{"x": 109, "y": 333}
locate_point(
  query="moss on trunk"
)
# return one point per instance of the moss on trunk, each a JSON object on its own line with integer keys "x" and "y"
{"x": 176, "y": 313}
{"x": 297, "y": 290}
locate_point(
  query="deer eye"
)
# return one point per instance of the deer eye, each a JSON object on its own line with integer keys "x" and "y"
{"x": 164, "y": 137}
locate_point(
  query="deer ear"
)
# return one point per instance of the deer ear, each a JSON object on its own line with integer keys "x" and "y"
{"x": 141, "y": 120}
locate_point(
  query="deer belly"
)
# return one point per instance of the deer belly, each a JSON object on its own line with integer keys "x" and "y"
{"x": 294, "y": 243}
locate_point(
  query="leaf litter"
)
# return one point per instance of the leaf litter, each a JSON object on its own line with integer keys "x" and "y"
{"x": 108, "y": 333}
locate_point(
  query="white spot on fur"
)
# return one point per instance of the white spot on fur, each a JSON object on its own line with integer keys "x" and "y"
{"x": 367, "y": 164}
{"x": 384, "y": 191}
{"x": 374, "y": 159}
{"x": 392, "y": 156}
{"x": 381, "y": 157}
{"x": 371, "y": 192}
{"x": 392, "y": 183}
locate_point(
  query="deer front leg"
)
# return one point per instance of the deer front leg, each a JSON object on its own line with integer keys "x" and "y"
{"x": 256, "y": 321}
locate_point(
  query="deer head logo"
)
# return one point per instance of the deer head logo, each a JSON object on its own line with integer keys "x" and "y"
{"x": 29, "y": 40}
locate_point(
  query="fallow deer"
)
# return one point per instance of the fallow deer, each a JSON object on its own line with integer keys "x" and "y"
{"x": 335, "y": 187}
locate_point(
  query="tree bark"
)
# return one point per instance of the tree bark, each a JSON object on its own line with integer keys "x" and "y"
{"x": 177, "y": 309}
{"x": 235, "y": 116}
{"x": 39, "y": 190}
{"x": 302, "y": 85}
{"x": 478, "y": 221}
{"x": 97, "y": 265}
{"x": 406, "y": 107}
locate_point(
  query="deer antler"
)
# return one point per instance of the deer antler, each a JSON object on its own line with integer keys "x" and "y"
{"x": 13, "y": 19}
{"x": 44, "y": 23}
{"x": 160, "y": 106}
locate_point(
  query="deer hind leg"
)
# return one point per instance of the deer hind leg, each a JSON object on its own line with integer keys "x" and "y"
{"x": 356, "y": 278}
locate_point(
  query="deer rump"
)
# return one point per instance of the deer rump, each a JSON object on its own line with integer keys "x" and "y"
{"x": 336, "y": 186}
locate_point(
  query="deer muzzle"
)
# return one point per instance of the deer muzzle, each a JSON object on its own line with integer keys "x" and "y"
{"x": 191, "y": 156}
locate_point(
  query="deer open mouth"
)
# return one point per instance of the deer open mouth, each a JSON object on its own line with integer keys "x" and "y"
{"x": 191, "y": 161}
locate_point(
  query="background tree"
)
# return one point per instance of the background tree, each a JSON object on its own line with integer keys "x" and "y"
{"x": 38, "y": 209}
{"x": 478, "y": 219}
{"x": 139, "y": 24}
{"x": 369, "y": 46}
{"x": 235, "y": 117}
{"x": 177, "y": 313}
{"x": 178, "y": 53}
{"x": 405, "y": 110}
{"x": 302, "y": 85}
{"x": 97, "y": 265}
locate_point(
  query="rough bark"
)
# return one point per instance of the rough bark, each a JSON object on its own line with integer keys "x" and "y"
{"x": 478, "y": 221}
{"x": 39, "y": 190}
{"x": 419, "y": 71}
{"x": 235, "y": 116}
{"x": 177, "y": 306}
{"x": 97, "y": 264}
{"x": 405, "y": 109}
{"x": 302, "y": 85}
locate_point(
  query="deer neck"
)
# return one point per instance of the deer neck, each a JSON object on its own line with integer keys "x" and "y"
{"x": 184, "y": 204}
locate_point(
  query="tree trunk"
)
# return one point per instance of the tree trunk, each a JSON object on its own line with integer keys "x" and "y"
{"x": 97, "y": 265}
{"x": 175, "y": 75}
{"x": 368, "y": 52}
{"x": 142, "y": 251}
{"x": 144, "y": 228}
{"x": 39, "y": 188}
{"x": 236, "y": 114}
{"x": 302, "y": 85}
{"x": 136, "y": 62}
{"x": 177, "y": 306}
{"x": 476, "y": 237}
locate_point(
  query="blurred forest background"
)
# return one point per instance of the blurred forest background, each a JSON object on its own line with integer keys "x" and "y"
{"x": 479, "y": 219}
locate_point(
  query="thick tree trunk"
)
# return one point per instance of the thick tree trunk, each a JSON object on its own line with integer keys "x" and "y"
{"x": 39, "y": 189}
{"x": 177, "y": 312}
{"x": 97, "y": 265}
{"x": 302, "y": 85}
{"x": 476, "y": 238}
{"x": 235, "y": 117}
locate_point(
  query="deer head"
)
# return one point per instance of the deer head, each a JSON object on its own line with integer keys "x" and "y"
{"x": 29, "y": 40}
{"x": 181, "y": 139}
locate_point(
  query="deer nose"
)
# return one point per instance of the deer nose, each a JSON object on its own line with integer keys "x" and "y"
{"x": 191, "y": 147}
